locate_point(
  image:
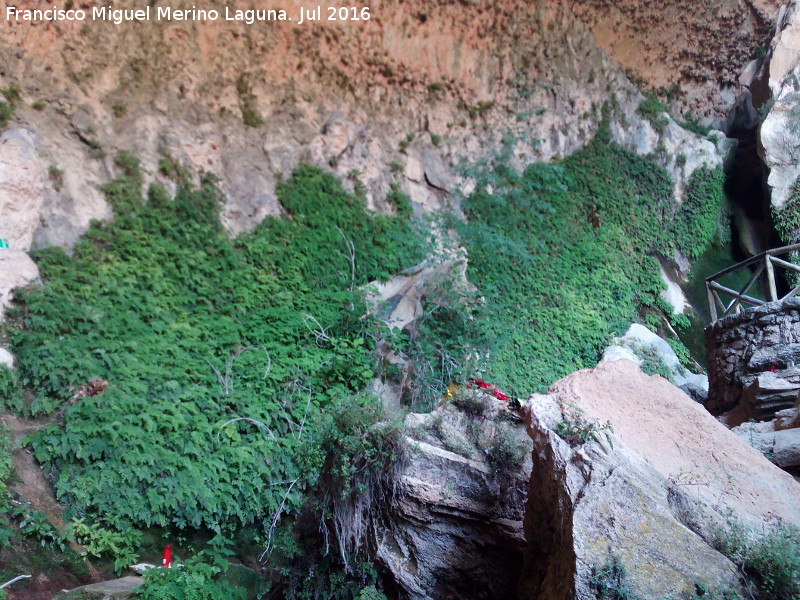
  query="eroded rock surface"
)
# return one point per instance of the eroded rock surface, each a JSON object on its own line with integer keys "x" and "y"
{"x": 650, "y": 494}
{"x": 594, "y": 503}
{"x": 454, "y": 529}
{"x": 778, "y": 440}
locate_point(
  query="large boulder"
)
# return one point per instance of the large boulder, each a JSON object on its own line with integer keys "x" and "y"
{"x": 639, "y": 345}
{"x": 639, "y": 476}
{"x": 595, "y": 506}
{"x": 21, "y": 187}
{"x": 778, "y": 440}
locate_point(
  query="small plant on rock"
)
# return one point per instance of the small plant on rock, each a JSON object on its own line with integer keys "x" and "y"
{"x": 576, "y": 430}
{"x": 56, "y": 177}
{"x": 610, "y": 581}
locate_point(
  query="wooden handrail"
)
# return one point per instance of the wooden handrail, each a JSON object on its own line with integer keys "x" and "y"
{"x": 766, "y": 262}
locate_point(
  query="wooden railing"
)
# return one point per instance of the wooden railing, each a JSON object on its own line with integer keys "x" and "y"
{"x": 763, "y": 263}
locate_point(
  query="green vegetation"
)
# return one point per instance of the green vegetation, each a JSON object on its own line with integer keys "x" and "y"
{"x": 564, "y": 255}
{"x": 171, "y": 168}
{"x": 479, "y": 109}
{"x": 209, "y": 383}
{"x": 692, "y": 123}
{"x": 652, "y": 362}
{"x": 56, "y": 177}
{"x": 96, "y": 150}
{"x": 653, "y": 110}
{"x": 247, "y": 103}
{"x": 576, "y": 430}
{"x": 192, "y": 331}
{"x": 12, "y": 95}
{"x": 771, "y": 563}
{"x": 787, "y": 218}
{"x": 10, "y": 393}
{"x": 697, "y": 222}
{"x": 6, "y": 466}
{"x": 200, "y": 578}
{"x": 610, "y": 581}
{"x": 119, "y": 109}
{"x": 99, "y": 541}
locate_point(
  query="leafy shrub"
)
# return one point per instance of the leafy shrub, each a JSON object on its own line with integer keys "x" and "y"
{"x": 192, "y": 331}
{"x": 504, "y": 453}
{"x": 575, "y": 429}
{"x": 652, "y": 362}
{"x": 247, "y": 103}
{"x": 371, "y": 593}
{"x": 474, "y": 403}
{"x": 12, "y": 94}
{"x": 34, "y": 524}
{"x": 562, "y": 255}
{"x": 610, "y": 581}
{"x": 697, "y": 221}
{"x": 771, "y": 562}
{"x": 56, "y": 177}
{"x": 197, "y": 579}
{"x": 6, "y": 467}
{"x": 653, "y": 110}
{"x": 103, "y": 541}
{"x": 10, "y": 393}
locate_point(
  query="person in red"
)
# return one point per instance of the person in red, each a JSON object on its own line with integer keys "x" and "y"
{"x": 167, "y": 560}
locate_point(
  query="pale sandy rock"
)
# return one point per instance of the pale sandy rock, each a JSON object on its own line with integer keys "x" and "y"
{"x": 683, "y": 442}
{"x": 778, "y": 440}
{"x": 21, "y": 187}
{"x": 349, "y": 109}
{"x": 779, "y": 447}
{"x": 598, "y": 500}
{"x": 673, "y": 294}
{"x": 398, "y": 301}
{"x": 639, "y": 337}
{"x": 615, "y": 352}
{"x": 114, "y": 589}
{"x": 413, "y": 169}
{"x": 436, "y": 174}
{"x": 16, "y": 270}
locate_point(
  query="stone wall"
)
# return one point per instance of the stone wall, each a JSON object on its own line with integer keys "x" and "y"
{"x": 755, "y": 349}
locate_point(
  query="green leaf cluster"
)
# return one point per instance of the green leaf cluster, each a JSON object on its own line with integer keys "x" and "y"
{"x": 198, "y": 578}
{"x": 697, "y": 221}
{"x": 217, "y": 352}
{"x": 771, "y": 563}
{"x": 563, "y": 254}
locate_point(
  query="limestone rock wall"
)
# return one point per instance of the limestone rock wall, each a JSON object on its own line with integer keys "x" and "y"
{"x": 421, "y": 85}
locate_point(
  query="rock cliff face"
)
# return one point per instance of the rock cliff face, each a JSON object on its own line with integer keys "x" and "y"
{"x": 628, "y": 475}
{"x": 454, "y": 530}
{"x": 656, "y": 470}
{"x": 697, "y": 51}
{"x": 419, "y": 86}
